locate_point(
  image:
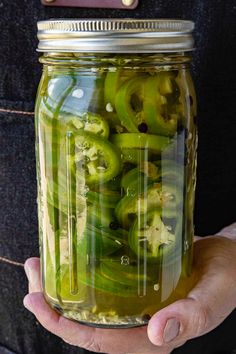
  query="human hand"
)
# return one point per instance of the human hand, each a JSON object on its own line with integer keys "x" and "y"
{"x": 211, "y": 300}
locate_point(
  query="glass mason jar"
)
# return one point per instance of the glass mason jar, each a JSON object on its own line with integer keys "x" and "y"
{"x": 116, "y": 159}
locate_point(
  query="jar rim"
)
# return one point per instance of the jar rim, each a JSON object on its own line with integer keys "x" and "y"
{"x": 115, "y": 35}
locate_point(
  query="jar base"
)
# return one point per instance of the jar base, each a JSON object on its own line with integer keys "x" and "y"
{"x": 102, "y": 320}
{"x": 114, "y": 316}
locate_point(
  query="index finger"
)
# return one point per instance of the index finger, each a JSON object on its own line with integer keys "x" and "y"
{"x": 32, "y": 270}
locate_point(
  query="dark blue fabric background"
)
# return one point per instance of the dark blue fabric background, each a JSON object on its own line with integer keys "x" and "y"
{"x": 214, "y": 72}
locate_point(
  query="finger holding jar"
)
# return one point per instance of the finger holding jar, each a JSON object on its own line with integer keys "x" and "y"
{"x": 93, "y": 339}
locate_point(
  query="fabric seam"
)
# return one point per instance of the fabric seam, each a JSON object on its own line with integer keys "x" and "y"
{"x": 9, "y": 261}
{"x": 4, "y": 110}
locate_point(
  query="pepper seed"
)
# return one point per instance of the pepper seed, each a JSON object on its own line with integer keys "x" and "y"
{"x": 143, "y": 128}
{"x": 114, "y": 225}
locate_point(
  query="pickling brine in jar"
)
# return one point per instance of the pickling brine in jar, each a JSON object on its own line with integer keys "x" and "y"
{"x": 116, "y": 147}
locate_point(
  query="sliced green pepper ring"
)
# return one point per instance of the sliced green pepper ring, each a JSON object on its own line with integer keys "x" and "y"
{"x": 129, "y": 103}
{"x": 103, "y": 241}
{"x": 166, "y": 198}
{"x": 145, "y": 174}
{"x": 124, "y": 273}
{"x": 140, "y": 141}
{"x": 97, "y": 157}
{"x": 169, "y": 195}
{"x": 148, "y": 235}
{"x": 134, "y": 156}
{"x": 104, "y": 200}
{"x": 110, "y": 187}
{"x": 170, "y": 171}
{"x": 157, "y": 119}
{"x": 99, "y": 217}
{"x": 88, "y": 122}
{"x": 131, "y": 178}
{"x": 96, "y": 280}
{"x": 113, "y": 81}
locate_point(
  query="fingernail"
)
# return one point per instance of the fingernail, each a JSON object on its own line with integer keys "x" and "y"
{"x": 27, "y": 271}
{"x": 27, "y": 303}
{"x": 29, "y": 274}
{"x": 171, "y": 330}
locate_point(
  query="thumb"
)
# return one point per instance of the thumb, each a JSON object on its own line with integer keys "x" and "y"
{"x": 208, "y": 303}
{"x": 178, "y": 322}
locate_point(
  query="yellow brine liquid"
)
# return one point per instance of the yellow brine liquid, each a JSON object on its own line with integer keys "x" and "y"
{"x": 116, "y": 157}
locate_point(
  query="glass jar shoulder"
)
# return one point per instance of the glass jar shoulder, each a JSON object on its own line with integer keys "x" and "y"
{"x": 127, "y": 94}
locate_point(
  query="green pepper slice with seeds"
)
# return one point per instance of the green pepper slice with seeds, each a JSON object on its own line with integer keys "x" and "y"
{"x": 149, "y": 234}
{"x": 165, "y": 198}
{"x": 88, "y": 122}
{"x": 96, "y": 157}
{"x": 128, "y": 103}
{"x": 158, "y": 119}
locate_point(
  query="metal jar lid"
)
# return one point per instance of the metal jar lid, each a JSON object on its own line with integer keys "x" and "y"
{"x": 115, "y": 35}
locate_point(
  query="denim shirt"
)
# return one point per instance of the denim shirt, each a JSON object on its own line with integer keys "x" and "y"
{"x": 214, "y": 72}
